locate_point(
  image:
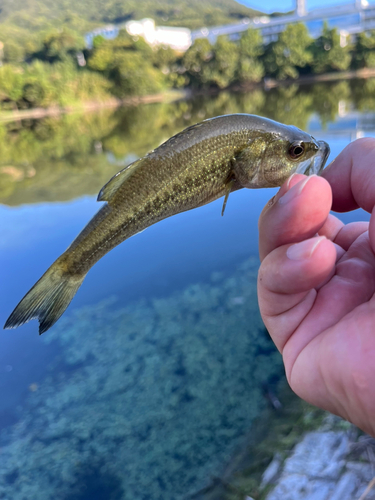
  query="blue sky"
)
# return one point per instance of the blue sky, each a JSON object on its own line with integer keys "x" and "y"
{"x": 285, "y": 5}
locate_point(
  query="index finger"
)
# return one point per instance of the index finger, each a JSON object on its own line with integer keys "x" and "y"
{"x": 352, "y": 176}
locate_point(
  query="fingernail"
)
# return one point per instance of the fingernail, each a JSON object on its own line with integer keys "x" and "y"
{"x": 288, "y": 181}
{"x": 305, "y": 249}
{"x": 295, "y": 190}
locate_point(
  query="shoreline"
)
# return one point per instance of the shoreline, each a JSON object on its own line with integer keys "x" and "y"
{"x": 364, "y": 73}
{"x": 176, "y": 95}
{"x": 36, "y": 113}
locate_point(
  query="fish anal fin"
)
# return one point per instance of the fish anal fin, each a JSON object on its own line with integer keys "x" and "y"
{"x": 109, "y": 189}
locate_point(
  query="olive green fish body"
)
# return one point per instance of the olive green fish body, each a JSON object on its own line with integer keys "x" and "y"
{"x": 184, "y": 173}
{"x": 198, "y": 165}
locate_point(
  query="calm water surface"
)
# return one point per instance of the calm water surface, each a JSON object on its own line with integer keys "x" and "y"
{"x": 151, "y": 380}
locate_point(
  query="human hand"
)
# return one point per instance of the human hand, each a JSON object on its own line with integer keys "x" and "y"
{"x": 316, "y": 284}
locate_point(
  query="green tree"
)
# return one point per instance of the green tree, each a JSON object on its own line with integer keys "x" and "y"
{"x": 250, "y": 67}
{"x": 33, "y": 93}
{"x": 364, "y": 50}
{"x": 101, "y": 58}
{"x": 163, "y": 58}
{"x": 13, "y": 52}
{"x": 133, "y": 75}
{"x": 223, "y": 65}
{"x": 331, "y": 52}
{"x": 104, "y": 52}
{"x": 140, "y": 45}
{"x": 40, "y": 89}
{"x": 60, "y": 44}
{"x": 195, "y": 62}
{"x": 290, "y": 53}
{"x": 128, "y": 64}
{"x": 126, "y": 42}
{"x": 97, "y": 41}
{"x": 11, "y": 83}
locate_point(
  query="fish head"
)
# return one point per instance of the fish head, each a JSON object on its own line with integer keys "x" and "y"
{"x": 273, "y": 156}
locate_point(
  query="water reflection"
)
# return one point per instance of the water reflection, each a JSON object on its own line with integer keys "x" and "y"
{"x": 148, "y": 394}
{"x": 58, "y": 159}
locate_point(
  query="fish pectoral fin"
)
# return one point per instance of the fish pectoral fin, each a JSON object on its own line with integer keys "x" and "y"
{"x": 228, "y": 189}
{"x": 109, "y": 189}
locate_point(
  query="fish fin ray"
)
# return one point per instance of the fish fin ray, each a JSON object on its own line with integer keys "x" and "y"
{"x": 47, "y": 299}
{"x": 109, "y": 189}
{"x": 228, "y": 189}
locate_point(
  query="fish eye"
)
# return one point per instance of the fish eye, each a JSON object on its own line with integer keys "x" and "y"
{"x": 296, "y": 150}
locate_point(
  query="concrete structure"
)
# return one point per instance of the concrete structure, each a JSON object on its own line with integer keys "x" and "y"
{"x": 301, "y": 8}
{"x": 350, "y": 19}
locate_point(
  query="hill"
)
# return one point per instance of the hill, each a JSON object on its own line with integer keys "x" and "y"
{"x": 21, "y": 17}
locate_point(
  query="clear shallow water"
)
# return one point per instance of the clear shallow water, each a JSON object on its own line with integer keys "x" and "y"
{"x": 154, "y": 376}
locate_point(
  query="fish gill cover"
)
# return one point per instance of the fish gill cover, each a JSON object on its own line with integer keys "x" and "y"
{"x": 147, "y": 400}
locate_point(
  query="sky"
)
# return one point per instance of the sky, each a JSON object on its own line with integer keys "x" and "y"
{"x": 286, "y": 5}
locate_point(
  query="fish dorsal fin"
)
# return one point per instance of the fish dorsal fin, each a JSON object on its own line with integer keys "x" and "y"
{"x": 109, "y": 189}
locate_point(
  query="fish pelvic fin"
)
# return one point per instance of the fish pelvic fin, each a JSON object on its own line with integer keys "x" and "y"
{"x": 47, "y": 299}
{"x": 228, "y": 189}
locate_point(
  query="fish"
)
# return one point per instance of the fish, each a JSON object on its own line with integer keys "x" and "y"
{"x": 204, "y": 162}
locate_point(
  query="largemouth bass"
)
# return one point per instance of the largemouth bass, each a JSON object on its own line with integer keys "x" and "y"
{"x": 200, "y": 164}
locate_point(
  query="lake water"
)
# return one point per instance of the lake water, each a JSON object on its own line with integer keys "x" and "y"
{"x": 149, "y": 383}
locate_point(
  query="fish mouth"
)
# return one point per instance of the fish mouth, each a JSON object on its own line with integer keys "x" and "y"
{"x": 315, "y": 165}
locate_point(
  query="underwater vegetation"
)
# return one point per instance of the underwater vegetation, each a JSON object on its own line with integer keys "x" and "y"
{"x": 145, "y": 401}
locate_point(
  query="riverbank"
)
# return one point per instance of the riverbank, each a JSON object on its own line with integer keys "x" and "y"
{"x": 364, "y": 73}
{"x": 327, "y": 464}
{"x": 87, "y": 106}
{"x": 176, "y": 95}
{"x": 295, "y": 451}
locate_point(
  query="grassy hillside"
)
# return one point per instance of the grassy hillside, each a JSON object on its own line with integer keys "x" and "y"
{"x": 19, "y": 17}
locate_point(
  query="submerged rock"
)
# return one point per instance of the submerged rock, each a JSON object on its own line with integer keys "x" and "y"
{"x": 319, "y": 468}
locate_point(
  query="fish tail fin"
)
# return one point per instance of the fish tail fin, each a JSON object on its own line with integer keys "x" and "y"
{"x": 47, "y": 299}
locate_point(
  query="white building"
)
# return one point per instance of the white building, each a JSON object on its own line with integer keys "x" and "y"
{"x": 176, "y": 38}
